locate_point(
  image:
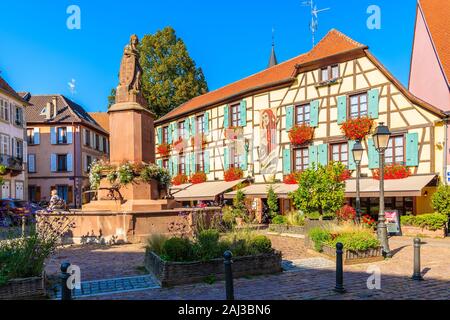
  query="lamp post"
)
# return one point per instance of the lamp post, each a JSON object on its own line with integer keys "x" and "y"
{"x": 381, "y": 142}
{"x": 357, "y": 152}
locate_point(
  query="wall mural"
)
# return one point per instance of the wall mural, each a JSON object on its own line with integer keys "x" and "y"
{"x": 268, "y": 149}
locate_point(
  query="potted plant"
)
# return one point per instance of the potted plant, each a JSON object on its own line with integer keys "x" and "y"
{"x": 358, "y": 128}
{"x": 301, "y": 134}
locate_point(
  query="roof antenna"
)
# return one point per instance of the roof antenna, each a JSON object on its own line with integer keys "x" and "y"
{"x": 314, "y": 25}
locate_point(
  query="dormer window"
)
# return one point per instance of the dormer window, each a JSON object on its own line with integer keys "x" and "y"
{"x": 329, "y": 73}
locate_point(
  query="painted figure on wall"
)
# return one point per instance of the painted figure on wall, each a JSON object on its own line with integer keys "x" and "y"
{"x": 268, "y": 155}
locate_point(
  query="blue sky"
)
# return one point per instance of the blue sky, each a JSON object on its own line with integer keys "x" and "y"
{"x": 228, "y": 39}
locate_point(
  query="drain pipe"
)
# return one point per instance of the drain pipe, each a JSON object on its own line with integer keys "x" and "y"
{"x": 446, "y": 151}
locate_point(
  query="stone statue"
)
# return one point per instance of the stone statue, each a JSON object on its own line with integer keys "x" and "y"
{"x": 130, "y": 77}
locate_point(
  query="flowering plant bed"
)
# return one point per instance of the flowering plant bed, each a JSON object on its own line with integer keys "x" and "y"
{"x": 357, "y": 129}
{"x": 346, "y": 213}
{"x": 179, "y": 179}
{"x": 164, "y": 149}
{"x": 428, "y": 225}
{"x": 301, "y": 134}
{"x": 393, "y": 172}
{"x": 177, "y": 273}
{"x": 233, "y": 174}
{"x": 292, "y": 178}
{"x": 198, "y": 177}
{"x": 368, "y": 221}
{"x": 355, "y": 257}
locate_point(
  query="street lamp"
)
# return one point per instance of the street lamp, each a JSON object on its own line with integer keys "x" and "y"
{"x": 357, "y": 152}
{"x": 381, "y": 142}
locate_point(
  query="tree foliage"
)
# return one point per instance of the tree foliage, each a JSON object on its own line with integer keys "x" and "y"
{"x": 441, "y": 200}
{"x": 320, "y": 190}
{"x": 272, "y": 202}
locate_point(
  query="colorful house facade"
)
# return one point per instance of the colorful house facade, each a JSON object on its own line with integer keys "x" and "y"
{"x": 247, "y": 124}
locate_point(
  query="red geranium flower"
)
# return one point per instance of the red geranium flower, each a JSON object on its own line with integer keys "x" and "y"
{"x": 357, "y": 129}
{"x": 346, "y": 213}
{"x": 301, "y": 134}
{"x": 393, "y": 172}
{"x": 345, "y": 175}
{"x": 179, "y": 179}
{"x": 198, "y": 177}
{"x": 233, "y": 174}
{"x": 292, "y": 178}
{"x": 164, "y": 149}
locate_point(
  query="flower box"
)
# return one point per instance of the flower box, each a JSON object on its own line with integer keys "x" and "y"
{"x": 178, "y": 273}
{"x": 284, "y": 228}
{"x": 423, "y": 232}
{"x": 300, "y": 135}
{"x": 357, "y": 129}
{"x": 198, "y": 177}
{"x": 180, "y": 179}
{"x": 24, "y": 289}
{"x": 393, "y": 172}
{"x": 233, "y": 174}
{"x": 164, "y": 149}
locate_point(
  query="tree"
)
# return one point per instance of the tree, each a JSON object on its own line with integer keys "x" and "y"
{"x": 320, "y": 190}
{"x": 272, "y": 202}
{"x": 441, "y": 200}
{"x": 112, "y": 98}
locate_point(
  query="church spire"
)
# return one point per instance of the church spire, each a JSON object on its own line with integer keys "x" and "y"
{"x": 273, "y": 57}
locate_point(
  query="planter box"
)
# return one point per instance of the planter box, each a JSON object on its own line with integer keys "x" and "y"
{"x": 177, "y": 273}
{"x": 24, "y": 289}
{"x": 282, "y": 228}
{"x": 421, "y": 232}
{"x": 349, "y": 257}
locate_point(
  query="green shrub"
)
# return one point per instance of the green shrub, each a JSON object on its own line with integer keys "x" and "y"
{"x": 260, "y": 244}
{"x": 178, "y": 249}
{"x": 441, "y": 200}
{"x": 319, "y": 236}
{"x": 228, "y": 216}
{"x": 279, "y": 220}
{"x": 272, "y": 202}
{"x": 207, "y": 246}
{"x": 430, "y": 221}
{"x": 357, "y": 241}
{"x": 156, "y": 242}
{"x": 294, "y": 218}
{"x": 407, "y": 220}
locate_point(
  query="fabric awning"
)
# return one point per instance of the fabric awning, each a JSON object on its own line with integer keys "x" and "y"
{"x": 408, "y": 187}
{"x": 176, "y": 189}
{"x": 260, "y": 190}
{"x": 205, "y": 191}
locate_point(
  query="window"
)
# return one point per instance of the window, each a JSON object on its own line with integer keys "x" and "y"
{"x": 62, "y": 135}
{"x": 63, "y": 192}
{"x": 395, "y": 153}
{"x": 358, "y": 105}
{"x": 301, "y": 159}
{"x": 19, "y": 149}
{"x": 339, "y": 153}
{"x": 32, "y": 163}
{"x": 87, "y": 138}
{"x": 165, "y": 134}
{"x": 4, "y": 139}
{"x": 30, "y": 136}
{"x": 182, "y": 165}
{"x": 97, "y": 142}
{"x": 329, "y": 73}
{"x": 62, "y": 162}
{"x": 200, "y": 124}
{"x": 302, "y": 114}
{"x": 105, "y": 147}
{"x": 34, "y": 193}
{"x": 235, "y": 115}
{"x": 165, "y": 164}
{"x": 181, "y": 129}
{"x": 4, "y": 110}
{"x": 19, "y": 117}
{"x": 200, "y": 162}
{"x": 88, "y": 163}
{"x": 235, "y": 160}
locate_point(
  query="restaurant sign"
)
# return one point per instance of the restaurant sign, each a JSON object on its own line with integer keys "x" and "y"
{"x": 393, "y": 222}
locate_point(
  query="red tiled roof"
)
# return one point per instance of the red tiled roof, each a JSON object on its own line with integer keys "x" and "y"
{"x": 102, "y": 118}
{"x": 437, "y": 17}
{"x": 333, "y": 43}
{"x": 6, "y": 88}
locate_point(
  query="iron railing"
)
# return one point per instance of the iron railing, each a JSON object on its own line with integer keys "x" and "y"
{"x": 10, "y": 162}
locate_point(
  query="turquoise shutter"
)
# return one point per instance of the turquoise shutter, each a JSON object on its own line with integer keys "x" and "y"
{"x": 342, "y": 109}
{"x": 187, "y": 124}
{"x": 323, "y": 154}
{"x": 159, "y": 163}
{"x": 226, "y": 117}
{"x": 412, "y": 149}
{"x": 170, "y": 167}
{"x": 244, "y": 160}
{"x": 374, "y": 102}
{"x": 226, "y": 158}
{"x": 313, "y": 157}
{"x": 287, "y": 161}
{"x": 175, "y": 166}
{"x": 374, "y": 156}
{"x": 206, "y": 159}
{"x": 187, "y": 165}
{"x": 243, "y": 111}
{"x": 175, "y": 131}
{"x": 170, "y": 133}
{"x": 159, "y": 135}
{"x": 314, "y": 113}
{"x": 289, "y": 118}
{"x": 193, "y": 164}
{"x": 351, "y": 161}
{"x": 193, "y": 127}
{"x": 206, "y": 122}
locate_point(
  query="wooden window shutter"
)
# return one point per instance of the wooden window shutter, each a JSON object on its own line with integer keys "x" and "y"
{"x": 289, "y": 118}
{"x": 206, "y": 123}
{"x": 351, "y": 161}
{"x": 313, "y": 157}
{"x": 187, "y": 130}
{"x": 38, "y": 193}
{"x": 159, "y": 163}
{"x": 159, "y": 135}
{"x": 170, "y": 136}
{"x": 53, "y": 162}
{"x": 342, "y": 109}
{"x": 206, "y": 158}
{"x": 175, "y": 166}
{"x": 314, "y": 117}
{"x": 36, "y": 136}
{"x": 193, "y": 127}
{"x": 69, "y": 135}
{"x": 287, "y": 163}
{"x": 412, "y": 149}
{"x": 226, "y": 158}
{"x": 374, "y": 103}
{"x": 69, "y": 162}
{"x": 323, "y": 154}
{"x": 244, "y": 160}
{"x": 193, "y": 164}
{"x": 374, "y": 157}
{"x": 243, "y": 111}
{"x": 53, "y": 135}
{"x": 187, "y": 165}
{"x": 226, "y": 117}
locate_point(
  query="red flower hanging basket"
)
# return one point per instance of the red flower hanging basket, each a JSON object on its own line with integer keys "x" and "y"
{"x": 301, "y": 134}
{"x": 393, "y": 172}
{"x": 164, "y": 149}
{"x": 233, "y": 174}
{"x": 357, "y": 129}
{"x": 179, "y": 179}
{"x": 198, "y": 177}
{"x": 292, "y": 178}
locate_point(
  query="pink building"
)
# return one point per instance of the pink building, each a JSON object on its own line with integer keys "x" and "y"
{"x": 430, "y": 61}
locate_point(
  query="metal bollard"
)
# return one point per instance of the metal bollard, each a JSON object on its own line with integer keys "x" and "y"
{"x": 417, "y": 275}
{"x": 339, "y": 269}
{"x": 228, "y": 275}
{"x": 66, "y": 293}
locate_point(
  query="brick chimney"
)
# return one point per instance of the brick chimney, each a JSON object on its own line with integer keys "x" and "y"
{"x": 48, "y": 111}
